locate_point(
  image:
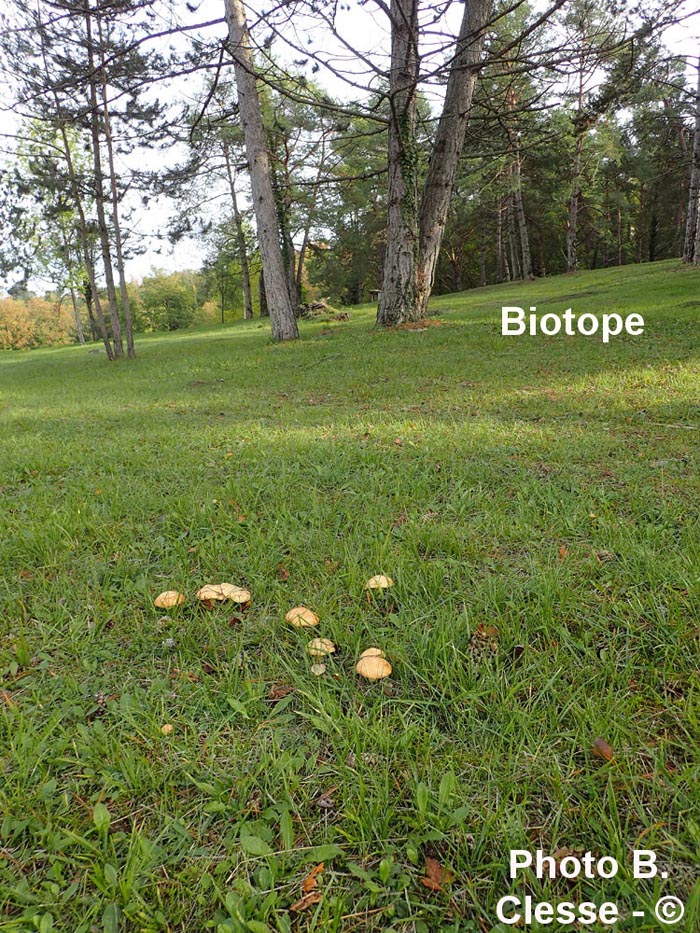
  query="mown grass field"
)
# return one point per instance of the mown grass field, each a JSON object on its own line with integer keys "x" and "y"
{"x": 537, "y": 502}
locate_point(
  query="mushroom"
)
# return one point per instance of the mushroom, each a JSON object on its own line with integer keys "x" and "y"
{"x": 211, "y": 592}
{"x": 220, "y": 592}
{"x": 168, "y": 599}
{"x": 236, "y": 594}
{"x": 372, "y": 667}
{"x": 372, "y": 653}
{"x": 320, "y": 647}
{"x": 380, "y": 582}
{"x": 301, "y": 617}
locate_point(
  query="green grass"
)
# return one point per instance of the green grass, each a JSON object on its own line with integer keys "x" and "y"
{"x": 549, "y": 487}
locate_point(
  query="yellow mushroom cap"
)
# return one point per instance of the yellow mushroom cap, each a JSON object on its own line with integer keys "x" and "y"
{"x": 168, "y": 599}
{"x": 380, "y": 582}
{"x": 372, "y": 653}
{"x": 320, "y": 647}
{"x": 211, "y": 591}
{"x": 237, "y": 594}
{"x": 301, "y": 617}
{"x": 219, "y": 592}
{"x": 373, "y": 668}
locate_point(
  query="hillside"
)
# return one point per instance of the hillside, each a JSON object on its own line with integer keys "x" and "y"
{"x": 535, "y": 500}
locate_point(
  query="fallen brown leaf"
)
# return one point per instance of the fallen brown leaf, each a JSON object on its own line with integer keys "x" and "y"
{"x": 279, "y": 691}
{"x": 311, "y": 880}
{"x": 308, "y": 900}
{"x": 563, "y": 552}
{"x": 601, "y": 749}
{"x": 436, "y": 875}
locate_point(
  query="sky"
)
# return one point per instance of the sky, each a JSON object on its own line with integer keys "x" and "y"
{"x": 364, "y": 28}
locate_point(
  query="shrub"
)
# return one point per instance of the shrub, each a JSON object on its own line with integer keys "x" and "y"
{"x": 34, "y": 322}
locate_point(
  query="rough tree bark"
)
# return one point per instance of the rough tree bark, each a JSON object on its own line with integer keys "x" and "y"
{"x": 691, "y": 227}
{"x": 282, "y": 320}
{"x": 580, "y": 131}
{"x": 521, "y": 221}
{"x": 512, "y": 240}
{"x": 399, "y": 294}
{"x": 449, "y": 142}
{"x": 114, "y": 196}
{"x": 572, "y": 229}
{"x": 240, "y": 236}
{"x": 99, "y": 189}
{"x": 499, "y": 243}
{"x": 91, "y": 284}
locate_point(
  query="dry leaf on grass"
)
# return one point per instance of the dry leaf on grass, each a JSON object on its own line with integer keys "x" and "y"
{"x": 601, "y": 749}
{"x": 311, "y": 880}
{"x": 436, "y": 875}
{"x": 279, "y": 692}
{"x": 308, "y": 900}
{"x": 563, "y": 552}
{"x": 604, "y": 556}
{"x": 484, "y": 642}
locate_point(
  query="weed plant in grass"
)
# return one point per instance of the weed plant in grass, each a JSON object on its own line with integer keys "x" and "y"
{"x": 536, "y": 502}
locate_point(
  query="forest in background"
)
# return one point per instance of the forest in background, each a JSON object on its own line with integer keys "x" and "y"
{"x": 579, "y": 148}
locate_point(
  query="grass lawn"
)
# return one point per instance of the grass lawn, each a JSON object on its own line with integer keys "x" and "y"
{"x": 537, "y": 502}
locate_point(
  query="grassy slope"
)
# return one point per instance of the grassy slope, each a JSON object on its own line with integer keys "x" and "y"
{"x": 548, "y": 487}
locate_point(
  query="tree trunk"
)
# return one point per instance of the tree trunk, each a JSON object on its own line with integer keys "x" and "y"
{"x": 84, "y": 235}
{"x": 71, "y": 284}
{"x": 123, "y": 292}
{"x": 282, "y": 320}
{"x": 619, "y": 235}
{"x": 87, "y": 292}
{"x": 262, "y": 295}
{"x": 99, "y": 190}
{"x": 398, "y": 299}
{"x": 691, "y": 226}
{"x": 499, "y": 243}
{"x": 449, "y": 142}
{"x": 520, "y": 217}
{"x": 512, "y": 240}
{"x": 482, "y": 257}
{"x": 572, "y": 231}
{"x": 240, "y": 237}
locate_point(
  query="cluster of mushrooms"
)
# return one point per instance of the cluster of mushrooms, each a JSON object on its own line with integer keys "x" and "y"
{"x": 372, "y": 664}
